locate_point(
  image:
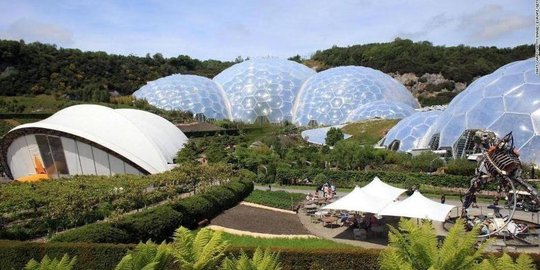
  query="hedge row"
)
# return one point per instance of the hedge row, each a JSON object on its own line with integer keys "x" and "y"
{"x": 351, "y": 178}
{"x": 15, "y": 254}
{"x": 158, "y": 223}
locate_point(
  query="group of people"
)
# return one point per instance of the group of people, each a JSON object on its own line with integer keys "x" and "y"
{"x": 328, "y": 190}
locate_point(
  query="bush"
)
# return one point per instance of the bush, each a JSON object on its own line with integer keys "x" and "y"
{"x": 194, "y": 209}
{"x": 94, "y": 233}
{"x": 425, "y": 162}
{"x": 15, "y": 254}
{"x": 157, "y": 224}
{"x": 461, "y": 167}
{"x": 352, "y": 178}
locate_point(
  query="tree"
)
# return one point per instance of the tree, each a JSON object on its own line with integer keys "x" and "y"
{"x": 416, "y": 247}
{"x": 46, "y": 263}
{"x": 333, "y": 136}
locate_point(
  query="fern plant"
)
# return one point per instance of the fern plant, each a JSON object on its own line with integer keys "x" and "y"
{"x": 147, "y": 256}
{"x": 416, "y": 247}
{"x": 204, "y": 251}
{"x": 46, "y": 263}
{"x": 262, "y": 260}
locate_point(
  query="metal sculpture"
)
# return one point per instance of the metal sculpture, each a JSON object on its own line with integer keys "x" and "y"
{"x": 498, "y": 163}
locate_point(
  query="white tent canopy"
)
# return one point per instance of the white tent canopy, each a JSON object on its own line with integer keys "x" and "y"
{"x": 418, "y": 206}
{"x": 359, "y": 200}
{"x": 383, "y": 190}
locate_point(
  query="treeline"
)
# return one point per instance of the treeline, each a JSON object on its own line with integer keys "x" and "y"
{"x": 36, "y": 68}
{"x": 459, "y": 63}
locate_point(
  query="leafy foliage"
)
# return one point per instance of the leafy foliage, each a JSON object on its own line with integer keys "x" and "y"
{"x": 46, "y": 263}
{"x": 202, "y": 251}
{"x": 262, "y": 260}
{"x": 333, "y": 136}
{"x": 38, "y": 68}
{"x": 459, "y": 63}
{"x": 147, "y": 256}
{"x": 416, "y": 247}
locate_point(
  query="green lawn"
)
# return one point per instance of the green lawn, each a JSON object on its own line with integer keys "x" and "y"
{"x": 369, "y": 132}
{"x": 276, "y": 199}
{"x": 283, "y": 243}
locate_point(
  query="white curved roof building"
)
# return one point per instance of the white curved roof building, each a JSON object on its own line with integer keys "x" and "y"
{"x": 92, "y": 140}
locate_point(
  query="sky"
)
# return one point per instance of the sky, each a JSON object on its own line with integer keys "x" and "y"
{"x": 224, "y": 30}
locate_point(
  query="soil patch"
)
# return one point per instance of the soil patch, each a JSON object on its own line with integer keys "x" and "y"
{"x": 259, "y": 220}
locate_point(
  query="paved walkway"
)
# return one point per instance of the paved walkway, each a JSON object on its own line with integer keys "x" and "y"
{"x": 344, "y": 234}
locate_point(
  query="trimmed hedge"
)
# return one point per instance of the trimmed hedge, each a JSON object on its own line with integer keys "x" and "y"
{"x": 15, "y": 254}
{"x": 351, "y": 178}
{"x": 158, "y": 223}
{"x": 94, "y": 233}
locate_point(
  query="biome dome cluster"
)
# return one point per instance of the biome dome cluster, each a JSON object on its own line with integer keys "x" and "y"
{"x": 275, "y": 90}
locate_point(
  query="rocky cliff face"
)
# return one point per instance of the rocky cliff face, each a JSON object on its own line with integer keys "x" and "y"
{"x": 430, "y": 89}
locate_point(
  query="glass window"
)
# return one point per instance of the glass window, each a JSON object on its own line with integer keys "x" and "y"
{"x": 57, "y": 151}
{"x": 46, "y": 155}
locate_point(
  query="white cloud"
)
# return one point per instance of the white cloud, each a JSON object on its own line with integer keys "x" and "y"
{"x": 492, "y": 22}
{"x": 31, "y": 30}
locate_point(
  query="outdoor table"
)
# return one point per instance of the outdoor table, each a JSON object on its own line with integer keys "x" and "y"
{"x": 329, "y": 220}
{"x": 320, "y": 213}
{"x": 311, "y": 206}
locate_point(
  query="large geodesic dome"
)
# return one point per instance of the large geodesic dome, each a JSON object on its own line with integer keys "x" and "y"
{"x": 507, "y": 100}
{"x": 382, "y": 109}
{"x": 196, "y": 94}
{"x": 328, "y": 97}
{"x": 263, "y": 89}
{"x": 407, "y": 133}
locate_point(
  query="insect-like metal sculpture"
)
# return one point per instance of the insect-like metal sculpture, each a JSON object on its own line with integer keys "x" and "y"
{"x": 498, "y": 162}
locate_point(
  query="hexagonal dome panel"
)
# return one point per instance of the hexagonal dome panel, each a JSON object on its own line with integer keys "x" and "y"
{"x": 383, "y": 109}
{"x": 345, "y": 89}
{"x": 503, "y": 101}
{"x": 270, "y": 86}
{"x": 196, "y": 94}
{"x": 409, "y": 131}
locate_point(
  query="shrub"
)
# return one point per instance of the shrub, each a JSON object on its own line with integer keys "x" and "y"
{"x": 157, "y": 224}
{"x": 194, "y": 209}
{"x": 15, "y": 254}
{"x": 461, "y": 167}
{"x": 95, "y": 233}
{"x": 277, "y": 199}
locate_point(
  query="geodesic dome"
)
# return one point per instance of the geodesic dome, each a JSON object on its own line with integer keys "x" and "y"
{"x": 328, "y": 97}
{"x": 263, "y": 89}
{"x": 409, "y": 131}
{"x": 383, "y": 109}
{"x": 196, "y": 94}
{"x": 503, "y": 101}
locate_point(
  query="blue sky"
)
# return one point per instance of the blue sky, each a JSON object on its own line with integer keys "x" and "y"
{"x": 281, "y": 28}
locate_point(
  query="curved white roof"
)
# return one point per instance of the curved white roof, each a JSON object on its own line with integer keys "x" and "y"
{"x": 141, "y": 137}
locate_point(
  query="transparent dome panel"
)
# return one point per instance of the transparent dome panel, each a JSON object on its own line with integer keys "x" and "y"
{"x": 330, "y": 96}
{"x": 382, "y": 109}
{"x": 196, "y": 94}
{"x": 506, "y": 100}
{"x": 263, "y": 88}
